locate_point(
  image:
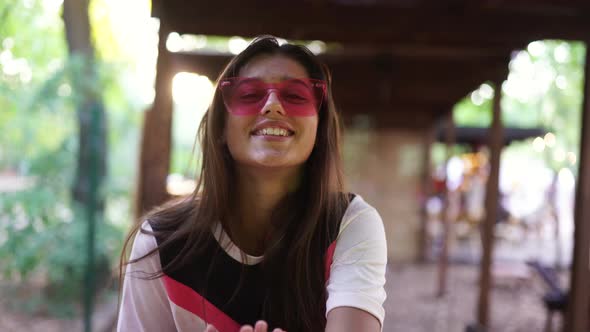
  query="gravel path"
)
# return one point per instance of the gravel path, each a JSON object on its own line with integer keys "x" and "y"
{"x": 412, "y": 306}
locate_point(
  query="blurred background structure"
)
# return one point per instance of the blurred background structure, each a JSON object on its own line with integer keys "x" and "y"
{"x": 467, "y": 126}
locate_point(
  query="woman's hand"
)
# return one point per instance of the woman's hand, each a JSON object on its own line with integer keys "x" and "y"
{"x": 260, "y": 326}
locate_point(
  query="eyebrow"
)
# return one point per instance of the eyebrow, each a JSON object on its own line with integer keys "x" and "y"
{"x": 259, "y": 79}
{"x": 282, "y": 78}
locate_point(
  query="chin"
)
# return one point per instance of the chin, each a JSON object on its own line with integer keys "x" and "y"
{"x": 275, "y": 163}
{"x": 270, "y": 159}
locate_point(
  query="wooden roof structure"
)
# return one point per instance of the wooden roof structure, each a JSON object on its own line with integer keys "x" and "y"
{"x": 403, "y": 63}
{"x": 390, "y": 85}
{"x": 420, "y": 56}
{"x": 476, "y": 136}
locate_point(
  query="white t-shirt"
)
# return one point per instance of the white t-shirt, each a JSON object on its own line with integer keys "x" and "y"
{"x": 356, "y": 279}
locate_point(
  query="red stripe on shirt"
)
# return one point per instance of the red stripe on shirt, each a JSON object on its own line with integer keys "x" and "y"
{"x": 328, "y": 259}
{"x": 185, "y": 297}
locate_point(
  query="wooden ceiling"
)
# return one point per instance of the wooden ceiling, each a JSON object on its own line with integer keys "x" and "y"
{"x": 403, "y": 62}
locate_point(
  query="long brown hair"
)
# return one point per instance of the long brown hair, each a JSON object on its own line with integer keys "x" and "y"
{"x": 302, "y": 221}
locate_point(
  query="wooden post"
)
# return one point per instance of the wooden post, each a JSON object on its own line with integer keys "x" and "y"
{"x": 427, "y": 189}
{"x": 492, "y": 193}
{"x": 577, "y": 316}
{"x": 445, "y": 215}
{"x": 156, "y": 137}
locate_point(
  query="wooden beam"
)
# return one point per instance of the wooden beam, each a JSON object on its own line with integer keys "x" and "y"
{"x": 396, "y": 115}
{"x": 577, "y": 317}
{"x": 546, "y": 7}
{"x": 491, "y": 204}
{"x": 207, "y": 64}
{"x": 476, "y": 136}
{"x": 156, "y": 139}
{"x": 366, "y": 64}
{"x": 385, "y": 120}
{"x": 446, "y": 216}
{"x": 418, "y": 51}
{"x": 427, "y": 189}
{"x": 381, "y": 78}
{"x": 386, "y": 25}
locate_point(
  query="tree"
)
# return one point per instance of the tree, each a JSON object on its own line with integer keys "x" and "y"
{"x": 544, "y": 88}
{"x": 91, "y": 167}
{"x": 90, "y": 109}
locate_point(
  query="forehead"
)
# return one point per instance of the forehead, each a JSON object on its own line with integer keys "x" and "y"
{"x": 273, "y": 68}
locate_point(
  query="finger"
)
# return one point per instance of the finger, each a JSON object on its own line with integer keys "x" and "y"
{"x": 246, "y": 328}
{"x": 261, "y": 326}
{"x": 211, "y": 328}
{"x": 278, "y": 330}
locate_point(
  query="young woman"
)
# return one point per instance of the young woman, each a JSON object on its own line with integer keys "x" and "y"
{"x": 269, "y": 240}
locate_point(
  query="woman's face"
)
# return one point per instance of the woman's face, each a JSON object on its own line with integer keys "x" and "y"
{"x": 259, "y": 140}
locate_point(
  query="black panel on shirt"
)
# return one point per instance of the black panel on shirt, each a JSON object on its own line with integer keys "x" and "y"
{"x": 219, "y": 284}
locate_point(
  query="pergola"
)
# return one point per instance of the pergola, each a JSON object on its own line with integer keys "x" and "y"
{"x": 402, "y": 64}
{"x": 476, "y": 136}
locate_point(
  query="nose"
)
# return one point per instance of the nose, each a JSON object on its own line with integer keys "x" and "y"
{"x": 273, "y": 104}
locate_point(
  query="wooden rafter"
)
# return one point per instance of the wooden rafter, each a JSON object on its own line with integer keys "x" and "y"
{"x": 375, "y": 25}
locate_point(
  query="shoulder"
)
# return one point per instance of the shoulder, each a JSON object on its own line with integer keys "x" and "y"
{"x": 357, "y": 272}
{"x": 360, "y": 215}
{"x": 144, "y": 241}
{"x": 361, "y": 233}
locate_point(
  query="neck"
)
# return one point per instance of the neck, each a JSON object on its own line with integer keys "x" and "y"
{"x": 259, "y": 192}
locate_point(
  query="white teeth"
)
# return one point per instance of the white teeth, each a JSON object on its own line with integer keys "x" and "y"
{"x": 273, "y": 132}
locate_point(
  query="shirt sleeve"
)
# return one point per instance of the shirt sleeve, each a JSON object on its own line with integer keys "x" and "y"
{"x": 144, "y": 303}
{"x": 357, "y": 274}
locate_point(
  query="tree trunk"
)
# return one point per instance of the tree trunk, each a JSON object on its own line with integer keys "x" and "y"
{"x": 156, "y": 138}
{"x": 90, "y": 109}
{"x": 91, "y": 168}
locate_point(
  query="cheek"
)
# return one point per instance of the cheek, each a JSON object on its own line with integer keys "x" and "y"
{"x": 233, "y": 133}
{"x": 312, "y": 135}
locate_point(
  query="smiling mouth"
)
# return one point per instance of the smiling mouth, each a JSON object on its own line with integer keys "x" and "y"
{"x": 273, "y": 131}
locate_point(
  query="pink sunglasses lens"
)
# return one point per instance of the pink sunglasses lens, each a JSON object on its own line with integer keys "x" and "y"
{"x": 244, "y": 97}
{"x": 248, "y": 96}
{"x": 298, "y": 98}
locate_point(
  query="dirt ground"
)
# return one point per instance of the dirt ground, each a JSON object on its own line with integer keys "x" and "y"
{"x": 411, "y": 304}
{"x": 12, "y": 319}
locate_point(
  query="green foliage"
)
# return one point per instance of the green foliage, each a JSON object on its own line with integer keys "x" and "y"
{"x": 49, "y": 239}
{"x": 29, "y": 72}
{"x": 543, "y": 89}
{"x": 42, "y": 233}
{"x": 466, "y": 113}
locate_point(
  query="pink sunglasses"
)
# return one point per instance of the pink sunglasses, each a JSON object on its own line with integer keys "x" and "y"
{"x": 247, "y": 95}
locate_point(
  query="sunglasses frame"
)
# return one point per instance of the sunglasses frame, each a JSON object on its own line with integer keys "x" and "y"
{"x": 311, "y": 82}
